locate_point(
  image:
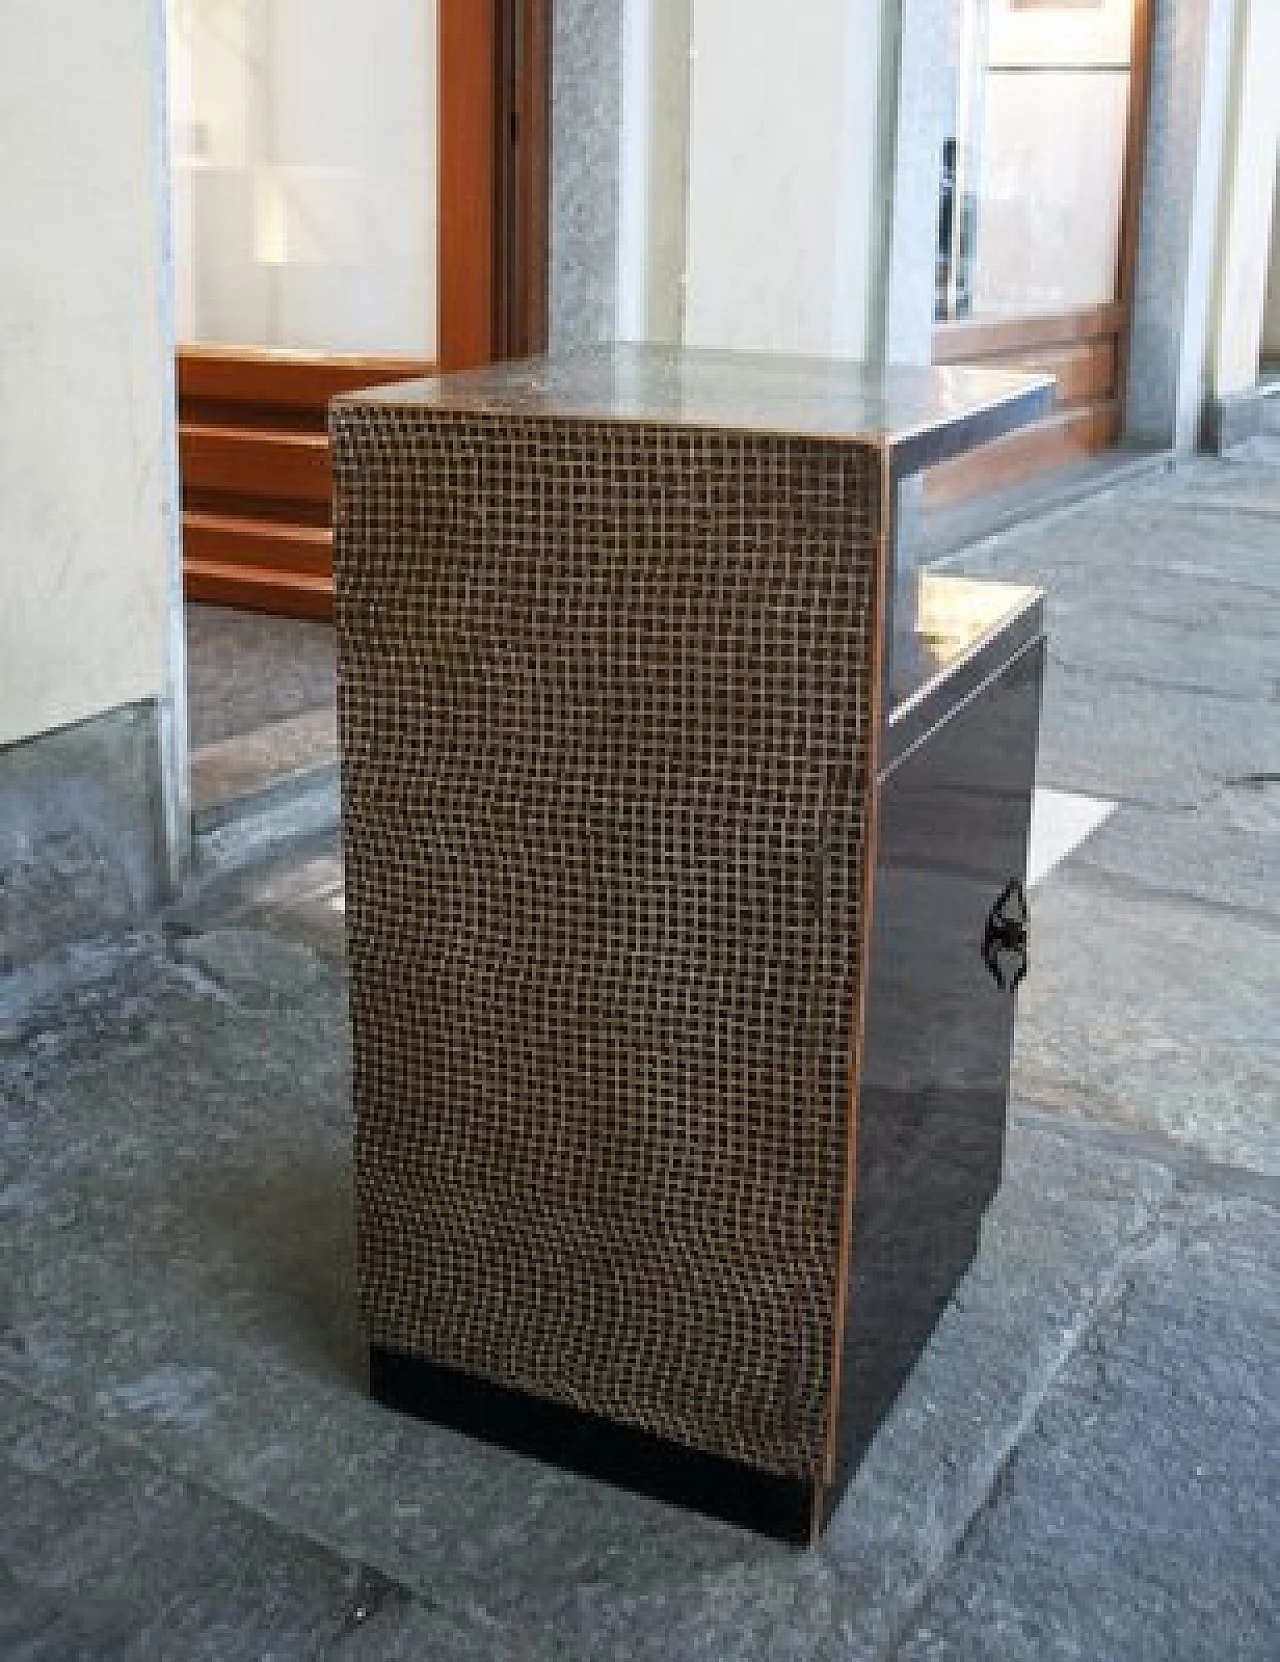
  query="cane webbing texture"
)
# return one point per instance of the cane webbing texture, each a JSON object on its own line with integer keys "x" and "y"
{"x": 606, "y": 707}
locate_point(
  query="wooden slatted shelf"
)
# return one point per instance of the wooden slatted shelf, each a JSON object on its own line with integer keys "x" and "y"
{"x": 255, "y": 461}
{"x": 266, "y": 544}
{"x": 1083, "y": 373}
{"x": 256, "y": 482}
{"x": 228, "y": 583}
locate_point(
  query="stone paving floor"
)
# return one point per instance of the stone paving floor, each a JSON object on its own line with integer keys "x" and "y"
{"x": 261, "y": 697}
{"x": 1084, "y": 1465}
{"x": 247, "y": 671}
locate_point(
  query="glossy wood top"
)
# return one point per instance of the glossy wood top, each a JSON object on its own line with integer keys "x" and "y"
{"x": 913, "y": 416}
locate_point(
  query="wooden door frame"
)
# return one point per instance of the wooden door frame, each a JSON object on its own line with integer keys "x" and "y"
{"x": 494, "y": 76}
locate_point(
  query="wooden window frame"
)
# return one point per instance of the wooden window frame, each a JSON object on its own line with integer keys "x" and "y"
{"x": 964, "y": 339}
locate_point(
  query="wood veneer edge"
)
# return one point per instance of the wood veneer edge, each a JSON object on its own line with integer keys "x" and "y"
{"x": 880, "y": 583}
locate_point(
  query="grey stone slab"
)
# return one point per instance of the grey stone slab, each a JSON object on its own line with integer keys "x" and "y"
{"x": 1164, "y": 633}
{"x": 1154, "y": 1011}
{"x": 1226, "y": 657}
{"x": 1146, "y": 604}
{"x": 1071, "y": 1215}
{"x": 1247, "y": 478}
{"x": 178, "y": 1202}
{"x": 258, "y": 970}
{"x": 1150, "y": 743}
{"x": 247, "y": 670}
{"x": 80, "y": 832}
{"x": 1139, "y": 1518}
{"x": 1161, "y": 572}
{"x": 1163, "y": 565}
{"x": 1141, "y": 552}
{"x": 271, "y": 822}
{"x": 1239, "y": 417}
{"x": 249, "y": 763}
{"x": 1225, "y": 852}
{"x": 300, "y": 890}
{"x": 105, "y": 1553}
{"x": 1188, "y": 634}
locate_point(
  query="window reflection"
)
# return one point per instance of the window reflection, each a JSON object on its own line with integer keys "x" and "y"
{"x": 303, "y": 143}
{"x": 1033, "y": 159}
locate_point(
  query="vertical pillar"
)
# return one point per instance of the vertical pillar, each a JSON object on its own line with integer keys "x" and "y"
{"x": 1248, "y": 187}
{"x": 173, "y": 798}
{"x": 586, "y": 163}
{"x": 904, "y": 242}
{"x": 1271, "y": 315}
{"x": 905, "y": 219}
{"x": 1190, "y": 76}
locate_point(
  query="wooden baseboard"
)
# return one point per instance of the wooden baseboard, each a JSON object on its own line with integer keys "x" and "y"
{"x": 1082, "y": 350}
{"x": 1063, "y": 438}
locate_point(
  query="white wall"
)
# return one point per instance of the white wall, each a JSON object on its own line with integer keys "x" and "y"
{"x": 305, "y": 143}
{"x": 782, "y": 158}
{"x": 653, "y": 170}
{"x": 86, "y": 508}
{"x": 1245, "y": 204}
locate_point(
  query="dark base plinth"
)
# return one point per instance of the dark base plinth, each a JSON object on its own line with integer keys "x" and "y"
{"x": 595, "y": 1447}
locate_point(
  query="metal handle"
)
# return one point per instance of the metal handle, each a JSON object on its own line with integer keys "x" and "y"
{"x": 1006, "y": 937}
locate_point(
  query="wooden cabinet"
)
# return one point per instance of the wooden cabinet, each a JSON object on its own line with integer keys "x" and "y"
{"x": 679, "y": 1060}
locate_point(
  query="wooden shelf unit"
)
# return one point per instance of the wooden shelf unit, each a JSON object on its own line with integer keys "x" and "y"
{"x": 257, "y": 517}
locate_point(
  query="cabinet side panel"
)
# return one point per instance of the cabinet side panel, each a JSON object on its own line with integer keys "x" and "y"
{"x": 954, "y": 817}
{"x": 606, "y": 721}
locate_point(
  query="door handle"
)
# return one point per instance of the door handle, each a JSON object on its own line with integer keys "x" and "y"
{"x": 1004, "y": 942}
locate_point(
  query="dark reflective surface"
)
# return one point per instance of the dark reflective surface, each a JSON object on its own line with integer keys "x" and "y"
{"x": 950, "y": 635}
{"x": 954, "y": 820}
{"x": 918, "y": 415}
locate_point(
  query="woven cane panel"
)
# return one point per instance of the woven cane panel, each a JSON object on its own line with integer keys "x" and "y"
{"x": 606, "y": 699}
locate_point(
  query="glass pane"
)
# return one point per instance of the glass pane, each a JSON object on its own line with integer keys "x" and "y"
{"x": 304, "y": 173}
{"x": 1034, "y": 160}
{"x": 1049, "y": 209}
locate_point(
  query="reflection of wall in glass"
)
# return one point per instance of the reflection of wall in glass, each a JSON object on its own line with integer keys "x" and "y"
{"x": 1034, "y": 163}
{"x": 304, "y": 137}
{"x": 1052, "y": 193}
{"x": 961, "y": 159}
